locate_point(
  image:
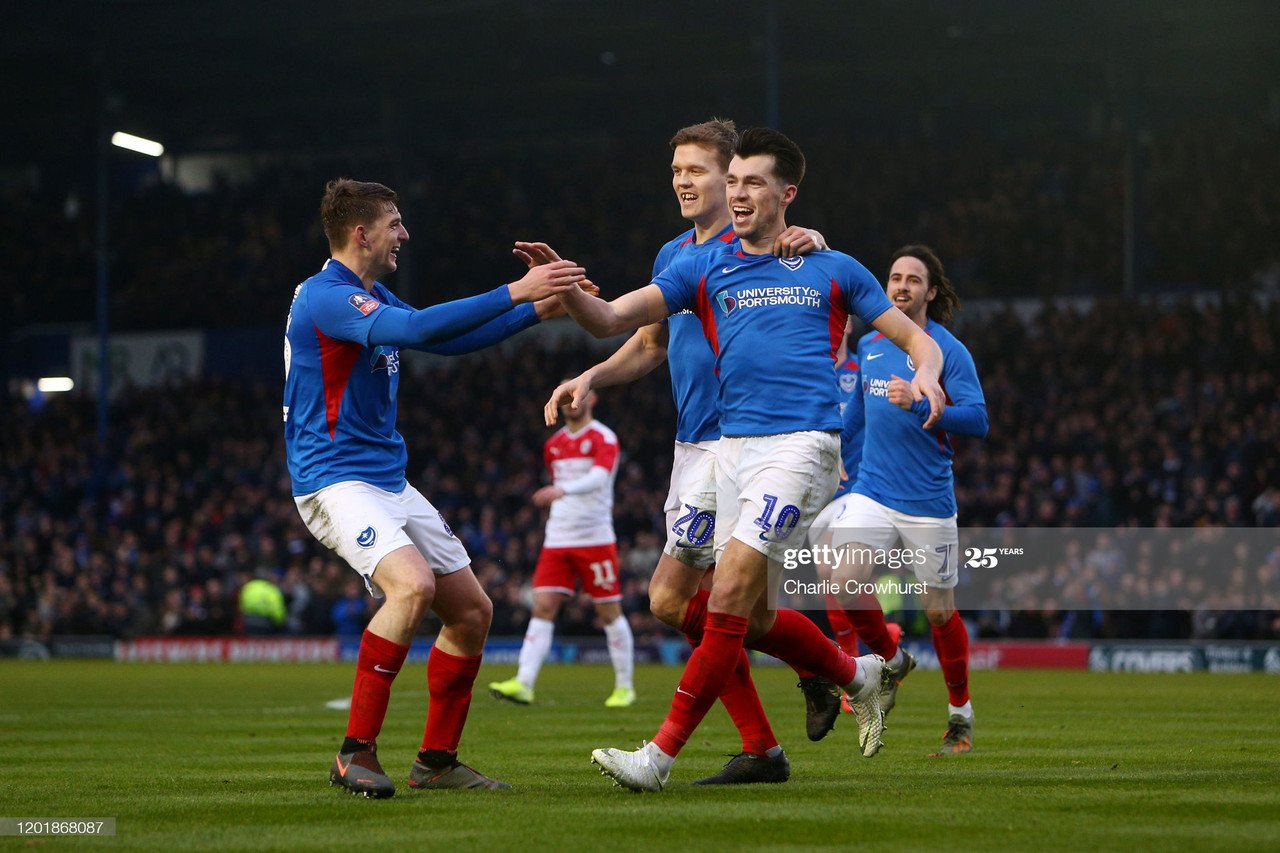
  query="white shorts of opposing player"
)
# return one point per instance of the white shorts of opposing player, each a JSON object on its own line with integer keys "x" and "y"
{"x": 363, "y": 524}
{"x": 855, "y": 519}
{"x": 691, "y": 504}
{"x": 770, "y": 488}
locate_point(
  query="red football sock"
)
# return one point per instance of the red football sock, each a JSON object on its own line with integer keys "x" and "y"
{"x": 376, "y": 667}
{"x": 449, "y": 682}
{"x": 703, "y": 680}
{"x": 800, "y": 644}
{"x": 743, "y": 704}
{"x": 845, "y": 636}
{"x": 951, "y": 642}
{"x": 695, "y": 616}
{"x": 868, "y": 619}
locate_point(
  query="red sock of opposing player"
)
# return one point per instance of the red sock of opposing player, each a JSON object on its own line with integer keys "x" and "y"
{"x": 743, "y": 704}
{"x": 842, "y": 629}
{"x": 376, "y": 667}
{"x": 449, "y": 682}
{"x": 703, "y": 680}
{"x": 868, "y": 620}
{"x": 951, "y": 642}
{"x": 800, "y": 644}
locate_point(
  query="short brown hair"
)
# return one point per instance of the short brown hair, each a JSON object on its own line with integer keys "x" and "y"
{"x": 720, "y": 136}
{"x": 946, "y": 301}
{"x": 347, "y": 203}
{"x": 788, "y": 160}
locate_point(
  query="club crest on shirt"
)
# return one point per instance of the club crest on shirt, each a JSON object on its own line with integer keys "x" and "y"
{"x": 585, "y": 447}
{"x": 366, "y": 305}
{"x": 367, "y": 537}
{"x": 848, "y": 381}
{"x": 792, "y": 264}
{"x": 727, "y": 303}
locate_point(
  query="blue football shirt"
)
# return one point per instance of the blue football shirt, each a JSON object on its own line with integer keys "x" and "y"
{"x": 689, "y": 356}
{"x": 339, "y": 393}
{"x": 903, "y": 466}
{"x": 774, "y": 325}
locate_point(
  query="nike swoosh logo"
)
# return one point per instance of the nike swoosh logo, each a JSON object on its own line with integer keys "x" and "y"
{"x": 378, "y": 667}
{"x": 685, "y": 692}
{"x": 874, "y": 355}
{"x": 731, "y": 269}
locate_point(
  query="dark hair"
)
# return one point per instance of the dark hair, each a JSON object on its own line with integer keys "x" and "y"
{"x": 719, "y": 136}
{"x": 347, "y": 203}
{"x": 946, "y": 301}
{"x": 788, "y": 161}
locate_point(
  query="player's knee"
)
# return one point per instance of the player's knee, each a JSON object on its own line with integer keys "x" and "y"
{"x": 545, "y": 608}
{"x": 414, "y": 592}
{"x": 667, "y": 605}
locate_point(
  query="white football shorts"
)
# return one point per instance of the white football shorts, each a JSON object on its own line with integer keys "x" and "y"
{"x": 691, "y": 504}
{"x": 770, "y": 488}
{"x": 364, "y": 523}
{"x": 858, "y": 520}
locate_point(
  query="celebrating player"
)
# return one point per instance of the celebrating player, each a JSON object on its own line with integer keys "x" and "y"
{"x": 579, "y": 545}
{"x": 904, "y": 492}
{"x": 347, "y": 463}
{"x": 700, "y": 160}
{"x": 773, "y": 324}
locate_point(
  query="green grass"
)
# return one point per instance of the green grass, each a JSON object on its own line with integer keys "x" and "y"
{"x": 236, "y": 757}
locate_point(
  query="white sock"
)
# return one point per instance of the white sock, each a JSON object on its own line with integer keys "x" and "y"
{"x": 965, "y": 710}
{"x": 859, "y": 675}
{"x": 621, "y": 650}
{"x": 895, "y": 661}
{"x": 660, "y": 759}
{"x": 534, "y": 650}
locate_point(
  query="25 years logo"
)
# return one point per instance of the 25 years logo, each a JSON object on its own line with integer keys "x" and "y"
{"x": 987, "y": 558}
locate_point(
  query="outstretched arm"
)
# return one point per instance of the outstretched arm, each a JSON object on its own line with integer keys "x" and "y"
{"x": 399, "y": 327}
{"x": 605, "y": 319}
{"x": 642, "y": 352}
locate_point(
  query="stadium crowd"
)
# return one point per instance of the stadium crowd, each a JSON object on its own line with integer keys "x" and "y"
{"x": 1042, "y": 215}
{"x": 1128, "y": 414}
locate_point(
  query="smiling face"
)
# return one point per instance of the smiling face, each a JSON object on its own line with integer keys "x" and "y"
{"x": 757, "y": 199}
{"x": 909, "y": 289}
{"x": 698, "y": 181}
{"x": 381, "y": 241}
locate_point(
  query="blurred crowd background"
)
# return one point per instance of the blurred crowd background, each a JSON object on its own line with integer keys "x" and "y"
{"x": 1124, "y": 414}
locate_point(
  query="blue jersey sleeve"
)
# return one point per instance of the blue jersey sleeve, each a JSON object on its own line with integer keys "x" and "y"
{"x": 679, "y": 283}
{"x": 495, "y": 331}
{"x": 966, "y": 409}
{"x": 863, "y": 294}
{"x": 347, "y": 312}
{"x": 396, "y": 326}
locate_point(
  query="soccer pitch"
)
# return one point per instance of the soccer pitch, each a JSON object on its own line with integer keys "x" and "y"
{"x": 236, "y": 757}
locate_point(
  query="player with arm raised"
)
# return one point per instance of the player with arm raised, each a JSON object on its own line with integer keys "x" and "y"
{"x": 677, "y": 593}
{"x": 904, "y": 492}
{"x": 774, "y": 324}
{"x": 347, "y": 464}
